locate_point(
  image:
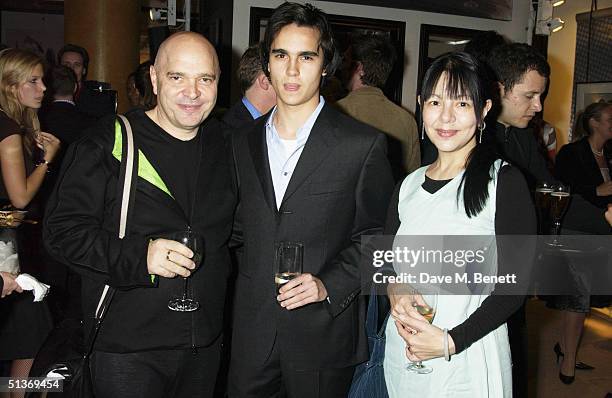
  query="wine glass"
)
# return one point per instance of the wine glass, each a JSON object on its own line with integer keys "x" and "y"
{"x": 429, "y": 312}
{"x": 287, "y": 262}
{"x": 542, "y": 202}
{"x": 38, "y": 152}
{"x": 187, "y": 303}
{"x": 559, "y": 200}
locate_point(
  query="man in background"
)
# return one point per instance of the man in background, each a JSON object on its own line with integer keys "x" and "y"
{"x": 258, "y": 96}
{"x": 367, "y": 65}
{"x": 93, "y": 98}
{"x": 522, "y": 74}
{"x": 61, "y": 117}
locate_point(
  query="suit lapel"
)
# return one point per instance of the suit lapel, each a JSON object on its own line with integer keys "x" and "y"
{"x": 320, "y": 142}
{"x": 261, "y": 163}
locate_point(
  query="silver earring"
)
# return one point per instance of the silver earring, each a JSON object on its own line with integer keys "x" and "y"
{"x": 422, "y": 131}
{"x": 480, "y": 129}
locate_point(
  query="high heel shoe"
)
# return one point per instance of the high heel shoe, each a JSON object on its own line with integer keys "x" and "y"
{"x": 579, "y": 365}
{"x": 566, "y": 379}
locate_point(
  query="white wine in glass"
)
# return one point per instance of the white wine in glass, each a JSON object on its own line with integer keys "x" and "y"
{"x": 426, "y": 311}
{"x": 288, "y": 262}
{"x": 429, "y": 312}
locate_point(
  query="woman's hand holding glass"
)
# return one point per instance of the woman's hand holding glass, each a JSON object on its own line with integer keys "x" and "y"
{"x": 428, "y": 340}
{"x": 423, "y": 340}
{"x": 403, "y": 298}
{"x": 49, "y": 144}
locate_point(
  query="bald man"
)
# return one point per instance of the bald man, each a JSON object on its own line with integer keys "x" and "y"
{"x": 145, "y": 349}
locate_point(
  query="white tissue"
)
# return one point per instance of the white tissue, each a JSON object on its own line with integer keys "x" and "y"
{"x": 54, "y": 375}
{"x": 28, "y": 282}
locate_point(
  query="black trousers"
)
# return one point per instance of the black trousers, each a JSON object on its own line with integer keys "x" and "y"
{"x": 517, "y": 336}
{"x": 280, "y": 378}
{"x": 151, "y": 374}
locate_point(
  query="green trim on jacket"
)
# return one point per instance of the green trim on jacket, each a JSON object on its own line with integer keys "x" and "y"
{"x": 145, "y": 168}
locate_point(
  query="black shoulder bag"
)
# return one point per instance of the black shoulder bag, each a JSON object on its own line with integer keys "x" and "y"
{"x": 66, "y": 351}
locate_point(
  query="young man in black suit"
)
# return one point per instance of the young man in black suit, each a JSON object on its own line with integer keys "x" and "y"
{"x": 310, "y": 174}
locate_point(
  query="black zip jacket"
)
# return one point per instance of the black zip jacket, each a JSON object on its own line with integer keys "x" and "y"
{"x": 81, "y": 225}
{"x": 519, "y": 147}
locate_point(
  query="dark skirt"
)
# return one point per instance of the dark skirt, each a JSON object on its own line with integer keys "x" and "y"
{"x": 24, "y": 325}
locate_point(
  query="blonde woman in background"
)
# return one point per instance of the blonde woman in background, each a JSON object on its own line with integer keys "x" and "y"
{"x": 23, "y": 323}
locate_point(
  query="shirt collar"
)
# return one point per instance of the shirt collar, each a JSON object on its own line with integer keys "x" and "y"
{"x": 66, "y": 101}
{"x": 303, "y": 132}
{"x": 251, "y": 108}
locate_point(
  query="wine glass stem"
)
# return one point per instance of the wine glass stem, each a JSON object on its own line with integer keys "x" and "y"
{"x": 185, "y": 288}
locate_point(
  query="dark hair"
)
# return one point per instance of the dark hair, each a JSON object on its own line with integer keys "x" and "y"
{"x": 482, "y": 44}
{"x": 510, "y": 62}
{"x": 464, "y": 77}
{"x": 73, "y": 48}
{"x": 142, "y": 82}
{"x": 249, "y": 67}
{"x": 592, "y": 111}
{"x": 376, "y": 54}
{"x": 61, "y": 80}
{"x": 302, "y": 15}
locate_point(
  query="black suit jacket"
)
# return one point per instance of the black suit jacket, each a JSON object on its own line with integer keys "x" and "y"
{"x": 237, "y": 116}
{"x": 339, "y": 192}
{"x": 64, "y": 121}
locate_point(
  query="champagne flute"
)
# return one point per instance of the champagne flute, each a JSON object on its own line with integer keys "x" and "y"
{"x": 542, "y": 202}
{"x": 429, "y": 312}
{"x": 559, "y": 200}
{"x": 287, "y": 262}
{"x": 186, "y": 302}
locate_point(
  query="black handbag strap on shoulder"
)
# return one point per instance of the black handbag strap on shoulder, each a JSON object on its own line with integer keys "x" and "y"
{"x": 125, "y": 193}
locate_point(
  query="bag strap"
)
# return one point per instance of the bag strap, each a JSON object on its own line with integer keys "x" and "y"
{"x": 372, "y": 315}
{"x": 126, "y": 188}
{"x": 128, "y": 165}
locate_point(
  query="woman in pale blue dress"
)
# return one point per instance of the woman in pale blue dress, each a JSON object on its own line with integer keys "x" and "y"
{"x": 466, "y": 191}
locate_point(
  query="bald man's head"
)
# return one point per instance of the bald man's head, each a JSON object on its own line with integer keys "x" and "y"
{"x": 184, "y": 38}
{"x": 184, "y": 77}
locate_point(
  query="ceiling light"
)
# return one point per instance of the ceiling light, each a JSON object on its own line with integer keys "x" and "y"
{"x": 558, "y": 3}
{"x": 550, "y": 26}
{"x": 458, "y": 42}
{"x": 157, "y": 14}
{"x": 556, "y": 24}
